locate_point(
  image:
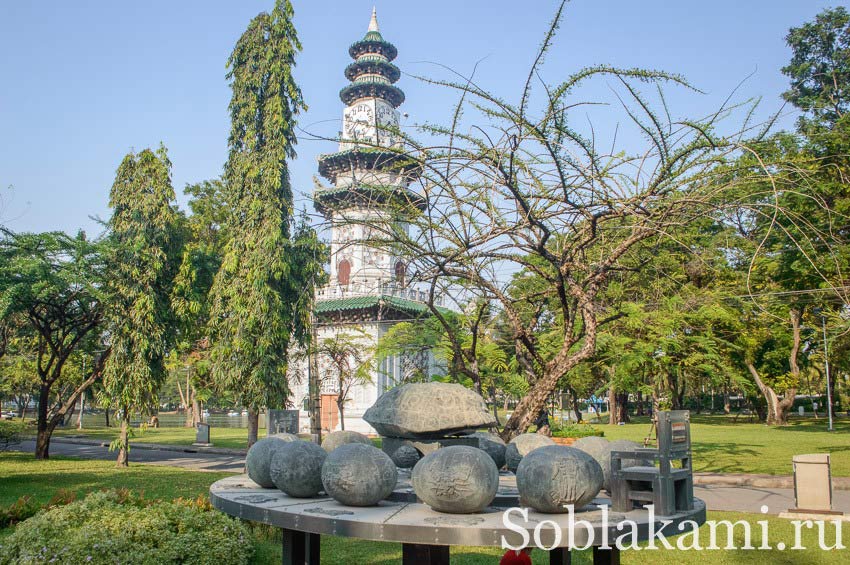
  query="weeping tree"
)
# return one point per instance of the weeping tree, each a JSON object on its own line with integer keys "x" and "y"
{"x": 260, "y": 294}
{"x": 144, "y": 257}
{"x": 518, "y": 187}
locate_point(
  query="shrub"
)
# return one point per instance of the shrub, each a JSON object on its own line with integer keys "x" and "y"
{"x": 576, "y": 430}
{"x": 26, "y": 507}
{"x": 11, "y": 433}
{"x": 103, "y": 528}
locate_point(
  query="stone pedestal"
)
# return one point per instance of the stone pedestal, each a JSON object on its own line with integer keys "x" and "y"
{"x": 425, "y": 446}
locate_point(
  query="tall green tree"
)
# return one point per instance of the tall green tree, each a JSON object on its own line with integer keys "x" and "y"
{"x": 144, "y": 258}
{"x": 51, "y": 291}
{"x": 820, "y": 67}
{"x": 205, "y": 234}
{"x": 258, "y": 289}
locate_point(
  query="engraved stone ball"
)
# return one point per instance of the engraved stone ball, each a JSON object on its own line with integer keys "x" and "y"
{"x": 259, "y": 458}
{"x": 297, "y": 468}
{"x": 458, "y": 479}
{"x": 521, "y": 446}
{"x": 342, "y": 437}
{"x": 493, "y": 445}
{"x": 551, "y": 477}
{"x": 627, "y": 445}
{"x": 406, "y": 456}
{"x": 428, "y": 411}
{"x": 356, "y": 474}
{"x": 600, "y": 449}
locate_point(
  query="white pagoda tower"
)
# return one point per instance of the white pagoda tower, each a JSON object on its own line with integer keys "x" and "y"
{"x": 368, "y": 291}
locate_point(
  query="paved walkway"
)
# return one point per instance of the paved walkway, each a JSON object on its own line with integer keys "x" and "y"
{"x": 745, "y": 496}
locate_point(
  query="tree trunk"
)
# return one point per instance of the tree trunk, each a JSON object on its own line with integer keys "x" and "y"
{"x": 196, "y": 410}
{"x": 107, "y": 417}
{"x": 339, "y": 406}
{"x": 777, "y": 408}
{"x": 613, "y": 409}
{"x": 727, "y": 403}
{"x": 42, "y": 442}
{"x": 639, "y": 409}
{"x": 253, "y": 426}
{"x": 576, "y": 406}
{"x": 123, "y": 441}
{"x": 622, "y": 407}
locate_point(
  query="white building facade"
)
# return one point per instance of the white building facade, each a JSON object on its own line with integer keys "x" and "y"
{"x": 368, "y": 290}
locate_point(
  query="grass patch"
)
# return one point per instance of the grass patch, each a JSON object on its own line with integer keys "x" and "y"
{"x": 233, "y": 438}
{"x": 21, "y": 475}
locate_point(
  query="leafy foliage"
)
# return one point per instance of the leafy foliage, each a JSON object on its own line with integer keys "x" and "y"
{"x": 104, "y": 529}
{"x": 144, "y": 257}
{"x": 262, "y": 294}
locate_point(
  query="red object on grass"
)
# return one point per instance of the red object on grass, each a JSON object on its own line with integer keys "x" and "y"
{"x": 515, "y": 558}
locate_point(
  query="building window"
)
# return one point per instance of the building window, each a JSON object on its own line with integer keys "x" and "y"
{"x": 343, "y": 272}
{"x": 400, "y": 272}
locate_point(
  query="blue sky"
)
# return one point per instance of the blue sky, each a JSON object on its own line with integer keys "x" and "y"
{"x": 84, "y": 82}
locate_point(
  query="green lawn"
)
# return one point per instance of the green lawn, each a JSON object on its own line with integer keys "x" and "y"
{"x": 20, "y": 474}
{"x": 234, "y": 438}
{"x": 722, "y": 446}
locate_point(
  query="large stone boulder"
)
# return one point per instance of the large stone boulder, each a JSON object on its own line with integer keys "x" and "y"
{"x": 297, "y": 468}
{"x": 342, "y": 437}
{"x": 356, "y": 474}
{"x": 552, "y": 477}
{"x": 600, "y": 449}
{"x": 521, "y": 446}
{"x": 493, "y": 445}
{"x": 259, "y": 458}
{"x": 458, "y": 479}
{"x": 428, "y": 410}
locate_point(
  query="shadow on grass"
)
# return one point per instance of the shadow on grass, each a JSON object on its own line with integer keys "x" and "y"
{"x": 707, "y": 456}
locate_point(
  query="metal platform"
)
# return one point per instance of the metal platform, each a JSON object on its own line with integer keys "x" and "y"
{"x": 426, "y": 535}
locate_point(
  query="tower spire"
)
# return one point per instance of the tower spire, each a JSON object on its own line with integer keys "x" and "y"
{"x": 373, "y": 23}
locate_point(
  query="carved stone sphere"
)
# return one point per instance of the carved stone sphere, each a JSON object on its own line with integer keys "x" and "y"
{"x": 297, "y": 468}
{"x": 627, "y": 445}
{"x": 600, "y": 449}
{"x": 493, "y": 445}
{"x": 259, "y": 458}
{"x": 406, "y": 456}
{"x": 342, "y": 437}
{"x": 521, "y": 446}
{"x": 551, "y": 477}
{"x": 458, "y": 479}
{"x": 356, "y": 474}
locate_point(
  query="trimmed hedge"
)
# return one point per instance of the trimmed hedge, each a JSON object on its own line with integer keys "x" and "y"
{"x": 110, "y": 528}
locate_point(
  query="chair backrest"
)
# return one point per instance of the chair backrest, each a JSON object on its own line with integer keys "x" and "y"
{"x": 674, "y": 433}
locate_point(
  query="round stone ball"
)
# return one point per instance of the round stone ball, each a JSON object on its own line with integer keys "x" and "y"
{"x": 521, "y": 446}
{"x": 297, "y": 468}
{"x": 342, "y": 437}
{"x": 458, "y": 479}
{"x": 600, "y": 449}
{"x": 493, "y": 446}
{"x": 406, "y": 456}
{"x": 356, "y": 474}
{"x": 627, "y": 445}
{"x": 551, "y": 477}
{"x": 259, "y": 458}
